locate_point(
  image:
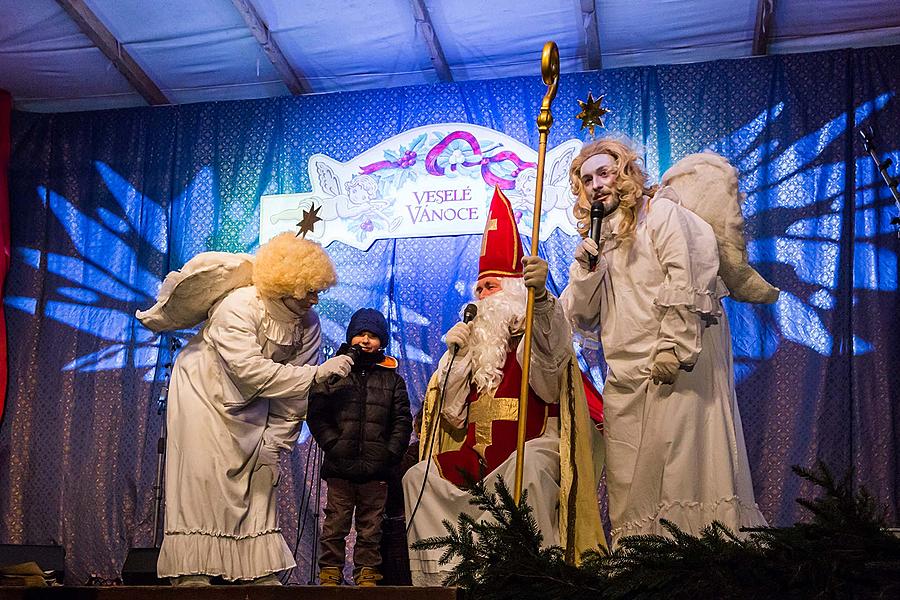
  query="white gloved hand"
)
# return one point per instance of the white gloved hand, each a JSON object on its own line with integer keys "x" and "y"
{"x": 665, "y": 368}
{"x": 339, "y": 365}
{"x": 458, "y": 338}
{"x": 585, "y": 250}
{"x": 535, "y": 275}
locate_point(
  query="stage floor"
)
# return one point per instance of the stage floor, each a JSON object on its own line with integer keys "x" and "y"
{"x": 229, "y": 592}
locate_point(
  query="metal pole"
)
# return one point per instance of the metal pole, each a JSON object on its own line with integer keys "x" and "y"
{"x": 161, "y": 406}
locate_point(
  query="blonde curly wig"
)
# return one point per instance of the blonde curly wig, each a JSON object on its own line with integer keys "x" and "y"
{"x": 291, "y": 266}
{"x": 630, "y": 185}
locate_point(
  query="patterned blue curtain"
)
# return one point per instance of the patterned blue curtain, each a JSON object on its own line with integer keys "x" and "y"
{"x": 104, "y": 204}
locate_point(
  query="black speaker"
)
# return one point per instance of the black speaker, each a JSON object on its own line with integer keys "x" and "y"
{"x": 140, "y": 567}
{"x": 48, "y": 558}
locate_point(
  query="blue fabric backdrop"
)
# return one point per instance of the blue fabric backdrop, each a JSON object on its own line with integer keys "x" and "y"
{"x": 104, "y": 204}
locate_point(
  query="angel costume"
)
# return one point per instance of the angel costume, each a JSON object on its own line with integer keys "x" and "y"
{"x": 237, "y": 396}
{"x": 676, "y": 451}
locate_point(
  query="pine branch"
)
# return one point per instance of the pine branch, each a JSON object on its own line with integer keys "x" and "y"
{"x": 840, "y": 507}
{"x": 843, "y": 553}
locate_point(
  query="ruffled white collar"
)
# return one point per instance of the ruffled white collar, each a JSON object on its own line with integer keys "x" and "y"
{"x": 280, "y": 324}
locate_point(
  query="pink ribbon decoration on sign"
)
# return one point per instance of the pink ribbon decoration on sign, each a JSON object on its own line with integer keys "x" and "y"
{"x": 433, "y": 168}
{"x": 489, "y": 176}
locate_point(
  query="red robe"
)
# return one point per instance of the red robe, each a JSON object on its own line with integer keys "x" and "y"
{"x": 492, "y": 427}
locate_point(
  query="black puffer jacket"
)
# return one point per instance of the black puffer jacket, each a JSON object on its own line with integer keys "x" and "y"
{"x": 362, "y": 421}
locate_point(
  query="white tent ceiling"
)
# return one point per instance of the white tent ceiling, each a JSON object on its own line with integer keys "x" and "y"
{"x": 201, "y": 50}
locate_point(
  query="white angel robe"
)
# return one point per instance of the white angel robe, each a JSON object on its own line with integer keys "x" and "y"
{"x": 237, "y": 395}
{"x": 677, "y": 451}
{"x": 440, "y": 500}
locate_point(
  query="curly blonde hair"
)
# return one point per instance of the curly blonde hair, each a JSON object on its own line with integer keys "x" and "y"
{"x": 292, "y": 266}
{"x": 630, "y": 185}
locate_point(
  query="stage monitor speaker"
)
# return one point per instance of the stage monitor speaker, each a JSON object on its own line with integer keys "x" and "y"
{"x": 140, "y": 567}
{"x": 48, "y": 558}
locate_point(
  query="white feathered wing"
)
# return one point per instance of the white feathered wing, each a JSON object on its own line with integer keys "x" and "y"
{"x": 707, "y": 185}
{"x": 187, "y": 295}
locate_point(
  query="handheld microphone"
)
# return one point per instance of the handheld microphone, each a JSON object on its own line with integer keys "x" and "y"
{"x": 469, "y": 313}
{"x": 598, "y": 211}
{"x": 353, "y": 352}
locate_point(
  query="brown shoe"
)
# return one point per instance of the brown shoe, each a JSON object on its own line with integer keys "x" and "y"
{"x": 367, "y": 577}
{"x": 330, "y": 576}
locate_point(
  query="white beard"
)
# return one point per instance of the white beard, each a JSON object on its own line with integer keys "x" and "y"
{"x": 499, "y": 317}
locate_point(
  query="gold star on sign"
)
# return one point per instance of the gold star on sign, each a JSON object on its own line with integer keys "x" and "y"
{"x": 592, "y": 112}
{"x": 308, "y": 223}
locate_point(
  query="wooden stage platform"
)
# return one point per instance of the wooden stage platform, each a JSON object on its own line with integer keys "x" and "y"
{"x": 229, "y": 592}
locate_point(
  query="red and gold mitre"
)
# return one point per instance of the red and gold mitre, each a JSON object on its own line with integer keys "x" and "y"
{"x": 501, "y": 246}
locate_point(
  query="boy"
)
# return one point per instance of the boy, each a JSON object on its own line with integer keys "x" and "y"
{"x": 363, "y": 423}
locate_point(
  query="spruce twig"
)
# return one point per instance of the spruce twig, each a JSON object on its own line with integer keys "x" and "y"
{"x": 844, "y": 551}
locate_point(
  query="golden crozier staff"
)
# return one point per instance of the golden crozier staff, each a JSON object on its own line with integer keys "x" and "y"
{"x": 550, "y": 75}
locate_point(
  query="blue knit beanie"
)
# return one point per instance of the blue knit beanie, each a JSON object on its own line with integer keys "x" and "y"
{"x": 368, "y": 319}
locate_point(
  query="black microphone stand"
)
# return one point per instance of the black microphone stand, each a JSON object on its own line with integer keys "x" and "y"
{"x": 468, "y": 314}
{"x": 867, "y": 135}
{"x": 314, "y": 559}
{"x": 315, "y": 452}
{"x": 139, "y": 567}
{"x": 161, "y": 405}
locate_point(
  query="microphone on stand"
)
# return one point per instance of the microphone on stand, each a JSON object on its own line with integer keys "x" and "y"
{"x": 598, "y": 211}
{"x": 353, "y": 352}
{"x": 469, "y": 313}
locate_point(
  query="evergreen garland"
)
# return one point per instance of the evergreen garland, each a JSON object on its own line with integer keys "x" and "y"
{"x": 843, "y": 552}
